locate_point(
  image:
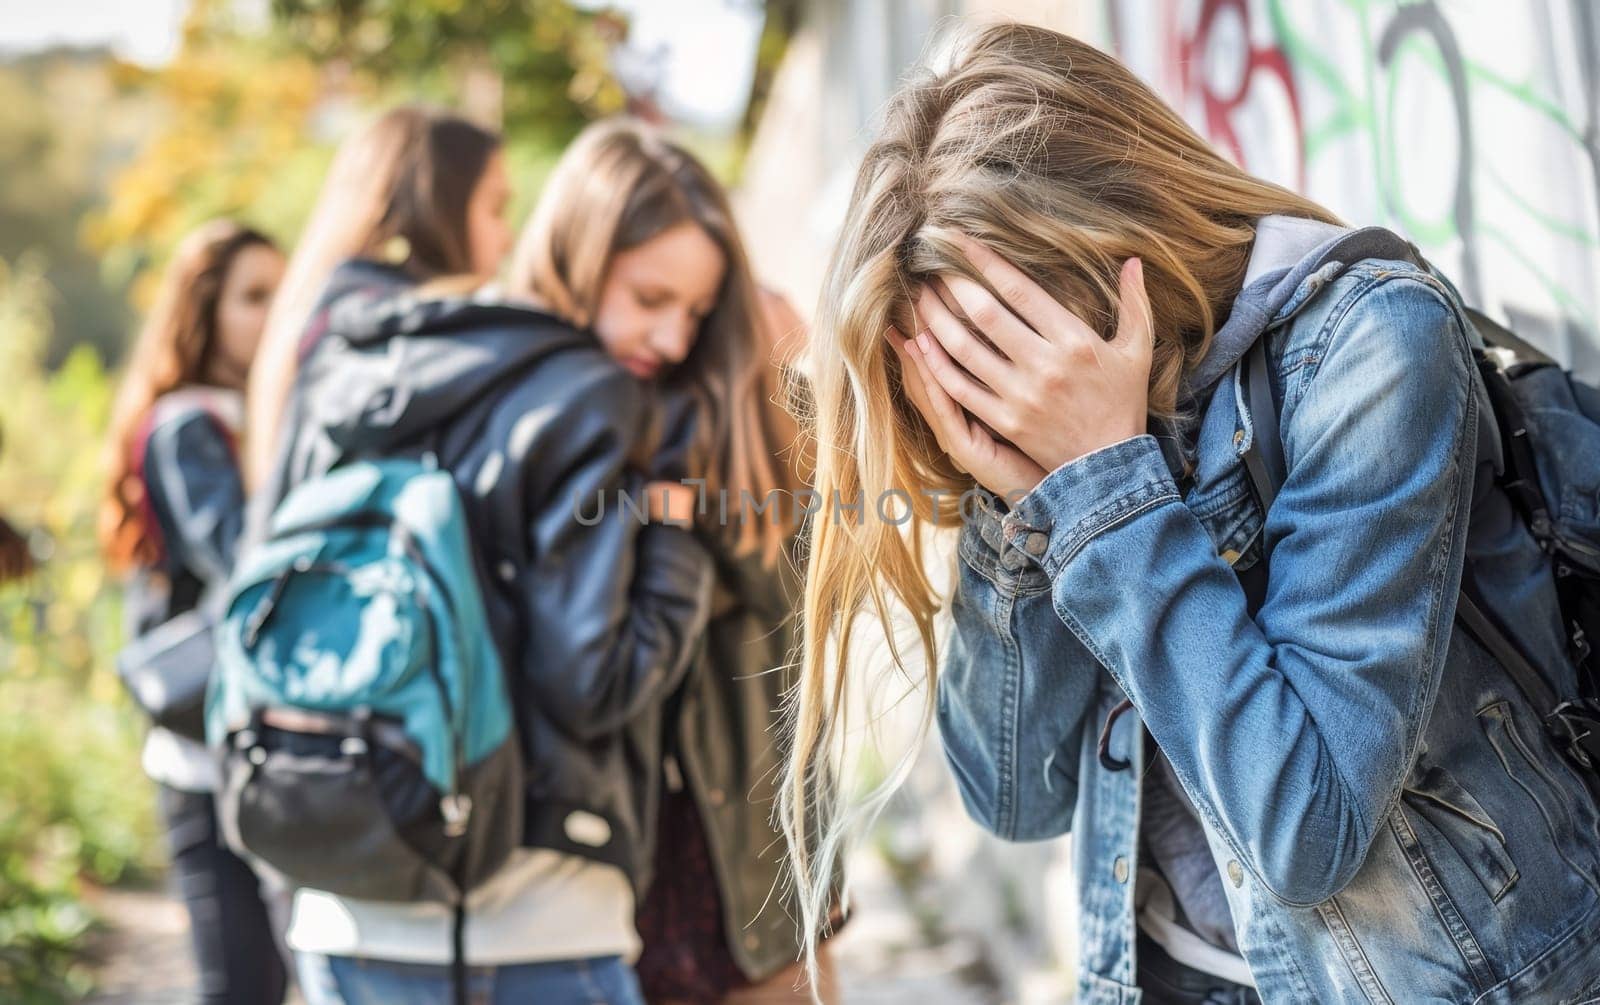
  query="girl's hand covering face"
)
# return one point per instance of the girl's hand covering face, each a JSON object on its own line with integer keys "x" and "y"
{"x": 1045, "y": 381}
{"x": 999, "y": 467}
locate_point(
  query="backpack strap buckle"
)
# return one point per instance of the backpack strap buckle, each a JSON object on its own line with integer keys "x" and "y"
{"x": 456, "y": 808}
{"x": 1573, "y": 725}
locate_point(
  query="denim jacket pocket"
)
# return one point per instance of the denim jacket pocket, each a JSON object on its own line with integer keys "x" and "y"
{"x": 1226, "y": 507}
{"x": 1535, "y": 767}
{"x": 1434, "y": 796}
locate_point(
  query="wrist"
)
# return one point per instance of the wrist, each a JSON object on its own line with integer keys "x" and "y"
{"x": 1077, "y": 500}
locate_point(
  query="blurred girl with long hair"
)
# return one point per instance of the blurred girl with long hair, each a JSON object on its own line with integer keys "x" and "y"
{"x": 171, "y": 519}
{"x": 419, "y": 194}
{"x": 389, "y": 339}
{"x": 634, "y": 240}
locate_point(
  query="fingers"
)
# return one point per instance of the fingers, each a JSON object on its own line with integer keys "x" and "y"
{"x": 958, "y": 341}
{"x": 1024, "y": 298}
{"x": 1002, "y": 469}
{"x": 910, "y": 375}
{"x": 936, "y": 412}
{"x": 946, "y": 415}
{"x": 1135, "y": 329}
{"x": 998, "y": 466}
{"x": 957, "y": 384}
{"x": 993, "y": 319}
{"x": 1020, "y": 294}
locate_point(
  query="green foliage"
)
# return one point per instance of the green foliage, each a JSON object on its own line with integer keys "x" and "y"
{"x": 542, "y": 62}
{"x": 247, "y": 119}
{"x": 50, "y": 165}
{"x": 232, "y": 135}
{"x": 74, "y": 805}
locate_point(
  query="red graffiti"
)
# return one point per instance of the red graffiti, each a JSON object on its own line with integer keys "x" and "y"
{"x": 1220, "y": 104}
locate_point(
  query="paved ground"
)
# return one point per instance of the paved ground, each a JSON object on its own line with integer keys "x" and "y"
{"x": 142, "y": 954}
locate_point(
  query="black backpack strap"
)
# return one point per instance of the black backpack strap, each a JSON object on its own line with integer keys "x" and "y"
{"x": 458, "y": 951}
{"x": 1500, "y": 337}
{"x": 1263, "y": 460}
{"x": 1520, "y": 477}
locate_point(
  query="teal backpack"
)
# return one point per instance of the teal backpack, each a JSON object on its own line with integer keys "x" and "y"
{"x": 359, "y": 702}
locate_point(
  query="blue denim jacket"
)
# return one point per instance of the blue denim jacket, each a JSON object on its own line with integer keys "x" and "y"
{"x": 1389, "y": 820}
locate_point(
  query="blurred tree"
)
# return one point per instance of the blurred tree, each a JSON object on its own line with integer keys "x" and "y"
{"x": 781, "y": 22}
{"x": 250, "y": 117}
{"x": 231, "y": 139}
{"x": 537, "y": 69}
{"x": 57, "y": 127}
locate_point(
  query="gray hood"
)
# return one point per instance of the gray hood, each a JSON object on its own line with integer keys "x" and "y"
{"x": 1287, "y": 249}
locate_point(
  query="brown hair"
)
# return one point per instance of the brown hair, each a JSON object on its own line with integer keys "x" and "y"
{"x": 619, "y": 185}
{"x": 173, "y": 349}
{"x": 398, "y": 190}
{"x": 1058, "y": 157}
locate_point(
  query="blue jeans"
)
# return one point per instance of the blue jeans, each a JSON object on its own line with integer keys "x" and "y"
{"x": 347, "y": 980}
{"x": 230, "y": 926}
{"x": 1165, "y": 981}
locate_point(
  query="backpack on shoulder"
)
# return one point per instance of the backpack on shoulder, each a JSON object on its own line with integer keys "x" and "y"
{"x": 359, "y": 702}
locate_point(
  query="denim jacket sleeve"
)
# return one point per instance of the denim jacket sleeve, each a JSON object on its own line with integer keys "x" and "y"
{"x": 1009, "y": 659}
{"x": 1292, "y": 732}
{"x": 195, "y": 491}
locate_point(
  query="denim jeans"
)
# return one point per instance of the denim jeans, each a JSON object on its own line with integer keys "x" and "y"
{"x": 235, "y": 953}
{"x": 1165, "y": 981}
{"x": 345, "y": 980}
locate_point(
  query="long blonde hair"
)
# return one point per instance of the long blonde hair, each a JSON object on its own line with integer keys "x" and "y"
{"x": 1059, "y": 158}
{"x": 398, "y": 190}
{"x": 618, "y": 185}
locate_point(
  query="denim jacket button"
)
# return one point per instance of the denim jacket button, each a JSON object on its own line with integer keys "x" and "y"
{"x": 1037, "y": 543}
{"x": 1119, "y": 869}
{"x": 1235, "y": 873}
{"x": 1012, "y": 559}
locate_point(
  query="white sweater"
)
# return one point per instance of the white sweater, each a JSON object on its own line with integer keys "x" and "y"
{"x": 542, "y": 905}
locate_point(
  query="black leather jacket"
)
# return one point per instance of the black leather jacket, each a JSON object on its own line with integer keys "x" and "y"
{"x": 596, "y": 620}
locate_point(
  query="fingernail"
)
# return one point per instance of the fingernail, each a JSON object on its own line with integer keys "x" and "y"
{"x": 924, "y": 343}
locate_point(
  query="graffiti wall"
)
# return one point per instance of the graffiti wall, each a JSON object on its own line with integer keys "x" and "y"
{"x": 1471, "y": 126}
